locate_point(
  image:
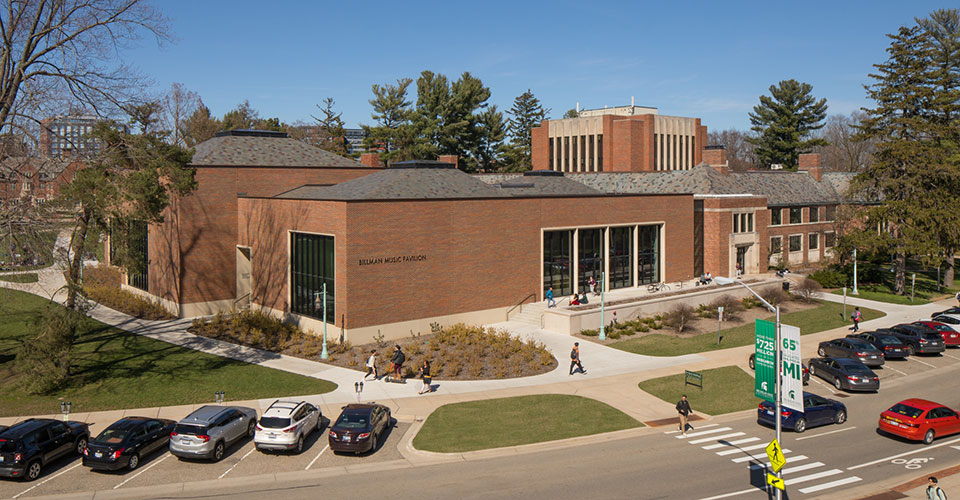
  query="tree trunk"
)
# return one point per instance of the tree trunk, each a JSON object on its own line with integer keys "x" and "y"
{"x": 948, "y": 271}
{"x": 900, "y": 266}
{"x": 77, "y": 243}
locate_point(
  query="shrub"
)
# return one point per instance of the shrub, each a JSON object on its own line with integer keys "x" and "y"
{"x": 126, "y": 302}
{"x": 830, "y": 278}
{"x": 774, "y": 295}
{"x": 731, "y": 307}
{"x": 643, "y": 328}
{"x": 749, "y": 302}
{"x": 679, "y": 316}
{"x": 808, "y": 289}
{"x": 590, "y": 333}
{"x": 614, "y": 334}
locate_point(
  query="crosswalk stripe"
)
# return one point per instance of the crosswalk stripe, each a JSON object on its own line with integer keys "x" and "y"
{"x": 698, "y": 427}
{"x": 731, "y": 443}
{"x": 741, "y": 450}
{"x": 811, "y": 465}
{"x": 832, "y": 484}
{"x": 816, "y": 475}
{"x": 715, "y": 438}
{"x": 703, "y": 433}
{"x": 751, "y": 457}
{"x": 767, "y": 465}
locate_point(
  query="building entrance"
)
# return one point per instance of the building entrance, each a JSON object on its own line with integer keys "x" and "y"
{"x": 742, "y": 258}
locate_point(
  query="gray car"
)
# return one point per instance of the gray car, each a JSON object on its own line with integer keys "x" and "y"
{"x": 208, "y": 431}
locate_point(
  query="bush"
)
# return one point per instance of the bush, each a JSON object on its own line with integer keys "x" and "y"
{"x": 830, "y": 278}
{"x": 589, "y": 333}
{"x": 749, "y": 302}
{"x": 808, "y": 289}
{"x": 731, "y": 308}
{"x": 679, "y": 316}
{"x": 774, "y": 295}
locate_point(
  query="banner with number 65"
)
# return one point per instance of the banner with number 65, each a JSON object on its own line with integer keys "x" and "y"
{"x": 792, "y": 370}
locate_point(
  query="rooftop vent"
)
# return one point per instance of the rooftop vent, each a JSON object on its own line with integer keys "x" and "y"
{"x": 246, "y": 132}
{"x": 543, "y": 173}
{"x": 422, "y": 164}
{"x": 516, "y": 185}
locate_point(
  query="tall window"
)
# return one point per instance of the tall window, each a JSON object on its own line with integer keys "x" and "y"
{"x": 553, "y": 165}
{"x": 599, "y": 152}
{"x": 814, "y": 214}
{"x": 312, "y": 265}
{"x": 621, "y": 251}
{"x": 648, "y": 254}
{"x": 558, "y": 262}
{"x": 796, "y": 242}
{"x": 814, "y": 242}
{"x": 796, "y": 215}
{"x": 139, "y": 271}
{"x": 776, "y": 245}
{"x": 776, "y": 216}
{"x": 831, "y": 213}
{"x": 591, "y": 149}
{"x": 742, "y": 223}
{"x": 590, "y": 253}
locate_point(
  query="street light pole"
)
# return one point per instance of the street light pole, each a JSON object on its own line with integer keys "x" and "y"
{"x": 855, "y": 292}
{"x": 603, "y": 335}
{"x": 323, "y": 353}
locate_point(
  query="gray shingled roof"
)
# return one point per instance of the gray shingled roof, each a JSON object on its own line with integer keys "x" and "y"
{"x": 536, "y": 185}
{"x": 26, "y": 166}
{"x": 265, "y": 152}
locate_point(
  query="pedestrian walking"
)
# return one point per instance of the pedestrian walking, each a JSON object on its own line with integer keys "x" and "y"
{"x": 856, "y": 317}
{"x": 683, "y": 408}
{"x": 397, "y": 361}
{"x": 372, "y": 366}
{"x": 550, "y": 301}
{"x": 934, "y": 492}
{"x": 575, "y": 359}
{"x": 425, "y": 376}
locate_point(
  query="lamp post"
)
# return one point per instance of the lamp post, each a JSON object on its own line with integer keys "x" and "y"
{"x": 323, "y": 353}
{"x": 854, "y": 291}
{"x": 65, "y": 409}
{"x": 603, "y": 335}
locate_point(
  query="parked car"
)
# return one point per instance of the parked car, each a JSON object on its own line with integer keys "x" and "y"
{"x": 29, "y": 446}
{"x": 919, "y": 420}
{"x": 285, "y": 425}
{"x": 891, "y": 345}
{"x": 952, "y": 310}
{"x": 949, "y": 335}
{"x": 125, "y": 442}
{"x": 806, "y": 372}
{"x": 816, "y": 411}
{"x": 952, "y": 321}
{"x": 858, "y": 349}
{"x": 208, "y": 431}
{"x": 359, "y": 427}
{"x": 919, "y": 339}
{"x": 846, "y": 374}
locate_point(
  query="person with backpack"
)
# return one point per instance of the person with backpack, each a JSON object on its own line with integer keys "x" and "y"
{"x": 397, "y": 361}
{"x": 934, "y": 492}
{"x": 575, "y": 359}
{"x": 856, "y": 317}
{"x": 683, "y": 408}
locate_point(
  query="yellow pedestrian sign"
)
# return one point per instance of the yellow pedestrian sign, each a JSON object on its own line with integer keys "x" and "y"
{"x": 775, "y": 454}
{"x": 775, "y": 481}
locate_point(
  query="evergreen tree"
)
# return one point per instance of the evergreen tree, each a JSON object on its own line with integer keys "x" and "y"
{"x": 391, "y": 111}
{"x": 492, "y": 129}
{"x": 525, "y": 114}
{"x": 331, "y": 135}
{"x": 783, "y": 122}
{"x": 241, "y": 117}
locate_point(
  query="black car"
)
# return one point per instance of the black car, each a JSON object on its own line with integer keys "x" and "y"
{"x": 858, "y": 349}
{"x": 952, "y": 310}
{"x": 27, "y": 447}
{"x": 847, "y": 374}
{"x": 919, "y": 339}
{"x": 126, "y": 441}
{"x": 891, "y": 345}
{"x": 359, "y": 427}
{"x": 816, "y": 411}
{"x": 806, "y": 373}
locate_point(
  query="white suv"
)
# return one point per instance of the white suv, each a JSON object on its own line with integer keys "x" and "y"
{"x": 285, "y": 425}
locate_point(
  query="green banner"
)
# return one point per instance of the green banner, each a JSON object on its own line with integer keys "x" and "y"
{"x": 764, "y": 360}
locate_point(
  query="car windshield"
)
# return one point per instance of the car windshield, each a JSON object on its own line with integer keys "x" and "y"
{"x": 8, "y": 445}
{"x": 905, "y": 410}
{"x": 932, "y": 336}
{"x": 195, "y": 430}
{"x": 862, "y": 345}
{"x": 274, "y": 422}
{"x": 112, "y": 436}
{"x": 858, "y": 369}
{"x": 352, "y": 421}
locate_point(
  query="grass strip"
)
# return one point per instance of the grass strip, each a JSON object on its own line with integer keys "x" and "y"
{"x": 20, "y": 278}
{"x": 725, "y": 390}
{"x": 493, "y": 423}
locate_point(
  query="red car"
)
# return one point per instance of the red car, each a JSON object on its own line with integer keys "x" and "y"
{"x": 919, "y": 420}
{"x": 950, "y": 336}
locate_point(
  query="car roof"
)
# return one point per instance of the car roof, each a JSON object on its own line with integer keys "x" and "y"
{"x": 20, "y": 428}
{"x": 359, "y": 407}
{"x": 847, "y": 361}
{"x": 205, "y": 414}
{"x": 128, "y": 422}
{"x": 859, "y": 342}
{"x": 283, "y": 408}
{"x": 922, "y": 404}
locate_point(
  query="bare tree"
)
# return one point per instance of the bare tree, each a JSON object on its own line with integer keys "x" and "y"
{"x": 740, "y": 154}
{"x": 846, "y": 152}
{"x": 178, "y": 106}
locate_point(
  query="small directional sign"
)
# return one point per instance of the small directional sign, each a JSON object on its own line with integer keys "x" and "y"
{"x": 775, "y": 481}
{"x": 775, "y": 454}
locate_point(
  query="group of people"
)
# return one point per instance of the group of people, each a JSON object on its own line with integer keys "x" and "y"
{"x": 578, "y": 298}
{"x": 396, "y": 365}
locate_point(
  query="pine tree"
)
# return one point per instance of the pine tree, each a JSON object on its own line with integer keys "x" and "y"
{"x": 492, "y": 129}
{"x": 391, "y": 111}
{"x": 784, "y": 121}
{"x": 525, "y": 114}
{"x": 200, "y": 126}
{"x": 331, "y": 135}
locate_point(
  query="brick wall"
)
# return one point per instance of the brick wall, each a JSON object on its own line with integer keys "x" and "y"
{"x": 540, "y": 147}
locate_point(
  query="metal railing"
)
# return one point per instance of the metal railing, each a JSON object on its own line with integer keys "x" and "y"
{"x": 240, "y": 299}
{"x": 520, "y": 304}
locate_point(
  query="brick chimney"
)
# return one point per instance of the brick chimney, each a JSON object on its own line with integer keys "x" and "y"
{"x": 370, "y": 159}
{"x": 810, "y": 163}
{"x": 454, "y": 159}
{"x": 716, "y": 157}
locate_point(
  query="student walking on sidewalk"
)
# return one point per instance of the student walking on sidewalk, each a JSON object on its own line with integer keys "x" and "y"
{"x": 856, "y": 317}
{"x": 575, "y": 359}
{"x": 425, "y": 376}
{"x": 372, "y": 365}
{"x": 683, "y": 408}
{"x": 549, "y": 297}
{"x": 933, "y": 490}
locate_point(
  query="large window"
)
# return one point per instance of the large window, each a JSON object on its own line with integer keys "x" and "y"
{"x": 621, "y": 252}
{"x": 742, "y": 223}
{"x": 796, "y": 242}
{"x": 814, "y": 214}
{"x": 796, "y": 215}
{"x": 831, "y": 213}
{"x": 558, "y": 262}
{"x": 312, "y": 265}
{"x": 590, "y": 253}
{"x": 776, "y": 245}
{"x": 648, "y": 254}
{"x": 776, "y": 216}
{"x": 814, "y": 241}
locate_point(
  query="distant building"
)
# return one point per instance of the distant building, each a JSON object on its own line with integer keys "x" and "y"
{"x": 355, "y": 138}
{"x": 69, "y": 136}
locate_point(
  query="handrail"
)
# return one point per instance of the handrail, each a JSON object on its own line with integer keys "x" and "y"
{"x": 519, "y": 304}
{"x": 240, "y": 298}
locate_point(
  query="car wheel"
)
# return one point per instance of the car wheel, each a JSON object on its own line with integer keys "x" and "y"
{"x": 134, "y": 461}
{"x": 300, "y": 445}
{"x": 813, "y": 370}
{"x": 929, "y": 436}
{"x": 836, "y": 383}
{"x": 752, "y": 362}
{"x": 840, "y": 417}
{"x": 373, "y": 444}
{"x": 251, "y": 430}
{"x": 81, "y": 445}
{"x": 911, "y": 350}
{"x": 33, "y": 471}
{"x": 218, "y": 451}
{"x": 801, "y": 425}
{"x": 821, "y": 352}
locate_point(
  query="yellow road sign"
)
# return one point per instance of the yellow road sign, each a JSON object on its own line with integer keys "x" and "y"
{"x": 775, "y": 454}
{"x": 775, "y": 481}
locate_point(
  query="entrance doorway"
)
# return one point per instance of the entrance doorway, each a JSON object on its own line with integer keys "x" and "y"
{"x": 742, "y": 259}
{"x": 244, "y": 278}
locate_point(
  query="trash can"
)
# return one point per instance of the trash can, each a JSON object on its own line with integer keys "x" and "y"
{"x": 786, "y": 286}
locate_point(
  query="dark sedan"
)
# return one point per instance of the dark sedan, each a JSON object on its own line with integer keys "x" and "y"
{"x": 126, "y": 442}
{"x": 952, "y": 310}
{"x": 29, "y": 446}
{"x": 359, "y": 427}
{"x": 919, "y": 339}
{"x": 816, "y": 411}
{"x": 846, "y": 374}
{"x": 858, "y": 349}
{"x": 891, "y": 346}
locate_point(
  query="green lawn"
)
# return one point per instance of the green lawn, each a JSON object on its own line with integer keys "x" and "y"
{"x": 827, "y": 316}
{"x": 116, "y": 369}
{"x": 924, "y": 292}
{"x": 493, "y": 423}
{"x": 20, "y": 278}
{"x": 725, "y": 390}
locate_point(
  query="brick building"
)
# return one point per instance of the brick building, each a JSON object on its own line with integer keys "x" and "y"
{"x": 26, "y": 179}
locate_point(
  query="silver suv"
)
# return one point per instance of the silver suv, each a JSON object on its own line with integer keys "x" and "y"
{"x": 285, "y": 425}
{"x": 207, "y": 432}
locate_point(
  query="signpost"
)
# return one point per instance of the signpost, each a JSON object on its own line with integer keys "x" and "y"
{"x": 775, "y": 481}
{"x": 764, "y": 360}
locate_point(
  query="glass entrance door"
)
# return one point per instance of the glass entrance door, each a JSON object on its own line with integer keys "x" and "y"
{"x": 558, "y": 262}
{"x": 648, "y": 254}
{"x": 741, "y": 259}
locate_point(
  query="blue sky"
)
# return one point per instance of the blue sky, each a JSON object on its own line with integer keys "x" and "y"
{"x": 702, "y": 59}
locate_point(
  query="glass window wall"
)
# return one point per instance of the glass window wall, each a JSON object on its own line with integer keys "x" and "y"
{"x": 648, "y": 254}
{"x": 621, "y": 257}
{"x": 312, "y": 265}
{"x": 557, "y": 262}
{"x": 590, "y": 253}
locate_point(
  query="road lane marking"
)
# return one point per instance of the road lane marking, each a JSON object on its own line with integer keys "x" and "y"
{"x": 921, "y": 450}
{"x": 885, "y": 367}
{"x": 797, "y": 458}
{"x": 816, "y": 475}
{"x": 703, "y": 433}
{"x": 238, "y": 462}
{"x": 691, "y": 425}
{"x": 735, "y": 494}
{"x": 832, "y": 484}
{"x": 949, "y": 356}
{"x": 751, "y": 457}
{"x": 51, "y": 478}
{"x": 316, "y": 457}
{"x": 731, "y": 443}
{"x": 825, "y": 433}
{"x": 145, "y": 469}
{"x": 714, "y": 438}
{"x": 744, "y": 449}
{"x": 911, "y": 358}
